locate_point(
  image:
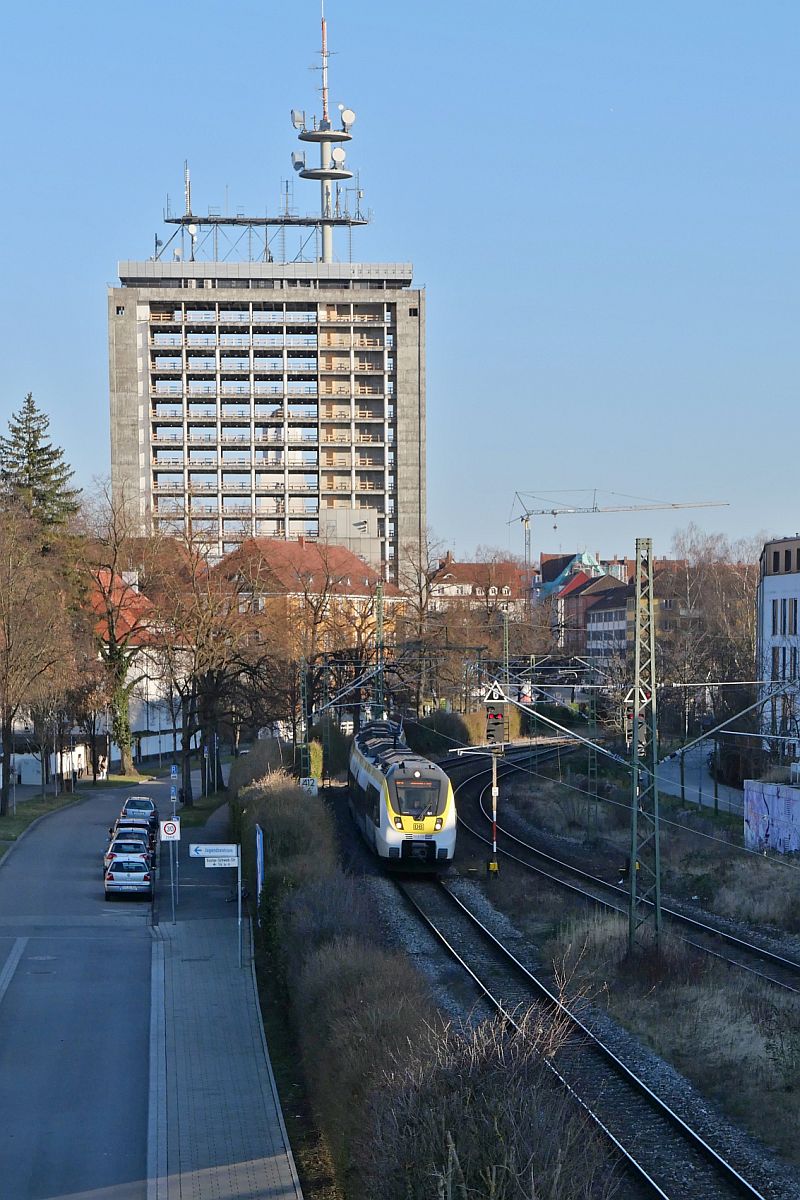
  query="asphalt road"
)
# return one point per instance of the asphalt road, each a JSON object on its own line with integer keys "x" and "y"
{"x": 74, "y": 1016}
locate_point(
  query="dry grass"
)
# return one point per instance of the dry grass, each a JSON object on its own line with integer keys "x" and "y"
{"x": 736, "y": 1039}
{"x": 702, "y": 857}
{"x": 265, "y": 756}
{"x": 471, "y": 1114}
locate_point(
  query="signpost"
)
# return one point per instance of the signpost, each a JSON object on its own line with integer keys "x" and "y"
{"x": 309, "y": 784}
{"x": 223, "y": 854}
{"x": 171, "y": 832}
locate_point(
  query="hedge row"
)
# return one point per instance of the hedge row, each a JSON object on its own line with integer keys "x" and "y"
{"x": 411, "y": 1109}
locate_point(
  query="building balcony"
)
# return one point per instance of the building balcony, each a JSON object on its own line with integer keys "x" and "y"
{"x": 166, "y": 439}
{"x": 163, "y": 391}
{"x": 202, "y": 414}
{"x": 170, "y": 488}
{"x": 335, "y": 439}
{"x": 206, "y": 486}
{"x": 166, "y": 341}
{"x": 234, "y": 488}
{"x": 202, "y": 464}
{"x": 264, "y": 388}
{"x": 269, "y": 485}
{"x": 228, "y": 439}
{"x": 199, "y": 390}
{"x": 233, "y": 318}
{"x": 235, "y": 414}
{"x": 164, "y": 366}
{"x": 331, "y": 389}
{"x": 200, "y": 341}
{"x": 165, "y": 318}
{"x": 195, "y": 437}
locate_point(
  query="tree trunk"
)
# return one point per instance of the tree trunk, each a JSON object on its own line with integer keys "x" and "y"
{"x": 5, "y": 787}
{"x": 187, "y": 728}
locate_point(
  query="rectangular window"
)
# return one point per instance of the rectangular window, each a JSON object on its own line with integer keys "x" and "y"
{"x": 783, "y": 616}
{"x": 793, "y": 615}
{"x": 776, "y": 664}
{"x": 776, "y": 561}
{"x": 787, "y": 560}
{"x": 774, "y": 617}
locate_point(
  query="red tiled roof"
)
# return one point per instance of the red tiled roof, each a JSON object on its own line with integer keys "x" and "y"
{"x": 498, "y": 574}
{"x": 298, "y": 566}
{"x": 131, "y": 611}
{"x": 576, "y": 583}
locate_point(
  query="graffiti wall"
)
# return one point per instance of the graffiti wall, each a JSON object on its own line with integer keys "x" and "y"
{"x": 771, "y": 816}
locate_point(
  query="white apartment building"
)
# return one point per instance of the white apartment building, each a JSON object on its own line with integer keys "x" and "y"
{"x": 778, "y": 642}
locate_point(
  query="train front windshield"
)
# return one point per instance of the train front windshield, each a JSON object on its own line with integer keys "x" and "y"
{"x": 419, "y": 798}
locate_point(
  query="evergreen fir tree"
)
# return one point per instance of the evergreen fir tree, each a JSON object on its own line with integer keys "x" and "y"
{"x": 33, "y": 470}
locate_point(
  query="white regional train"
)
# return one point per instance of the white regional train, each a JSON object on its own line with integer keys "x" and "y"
{"x": 402, "y": 803}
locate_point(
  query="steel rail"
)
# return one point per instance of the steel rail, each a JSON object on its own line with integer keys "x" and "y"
{"x": 729, "y": 1173}
{"x": 769, "y": 956}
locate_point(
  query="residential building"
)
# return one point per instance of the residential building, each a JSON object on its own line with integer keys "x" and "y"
{"x": 492, "y": 585}
{"x": 778, "y": 643}
{"x": 324, "y": 596}
{"x": 270, "y": 396}
{"x": 607, "y": 626}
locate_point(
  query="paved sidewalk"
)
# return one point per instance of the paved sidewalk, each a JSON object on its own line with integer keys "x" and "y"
{"x": 698, "y": 781}
{"x": 216, "y": 1130}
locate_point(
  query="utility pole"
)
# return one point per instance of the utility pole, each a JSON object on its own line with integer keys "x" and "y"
{"x": 506, "y": 657}
{"x": 644, "y": 868}
{"x": 591, "y": 766}
{"x": 305, "y": 719}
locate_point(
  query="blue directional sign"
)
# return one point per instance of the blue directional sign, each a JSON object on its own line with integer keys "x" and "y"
{"x": 173, "y": 771}
{"x": 173, "y": 793}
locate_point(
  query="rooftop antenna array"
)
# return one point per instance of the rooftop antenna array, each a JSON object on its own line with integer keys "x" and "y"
{"x": 331, "y": 152}
{"x": 331, "y": 170}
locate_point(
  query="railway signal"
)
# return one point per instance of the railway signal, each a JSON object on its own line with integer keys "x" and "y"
{"x": 495, "y": 724}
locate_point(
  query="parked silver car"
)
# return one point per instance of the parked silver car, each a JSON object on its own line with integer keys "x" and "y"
{"x": 123, "y": 846}
{"x": 129, "y": 876}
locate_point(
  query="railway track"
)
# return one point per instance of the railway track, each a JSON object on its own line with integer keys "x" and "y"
{"x": 662, "y": 1155}
{"x": 778, "y": 970}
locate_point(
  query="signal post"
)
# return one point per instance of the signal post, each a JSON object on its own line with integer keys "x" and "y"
{"x": 496, "y": 726}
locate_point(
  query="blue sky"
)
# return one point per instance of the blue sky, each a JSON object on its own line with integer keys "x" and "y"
{"x": 602, "y": 198}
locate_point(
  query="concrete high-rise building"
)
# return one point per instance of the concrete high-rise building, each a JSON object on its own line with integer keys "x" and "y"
{"x": 267, "y": 397}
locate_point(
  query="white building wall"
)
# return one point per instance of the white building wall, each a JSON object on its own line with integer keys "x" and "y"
{"x": 774, "y": 625}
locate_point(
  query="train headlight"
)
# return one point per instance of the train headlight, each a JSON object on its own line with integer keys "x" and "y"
{"x": 398, "y": 822}
{"x": 438, "y": 824}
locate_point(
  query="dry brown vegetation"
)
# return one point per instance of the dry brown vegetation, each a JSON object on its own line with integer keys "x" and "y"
{"x": 409, "y": 1107}
{"x": 702, "y": 856}
{"x": 735, "y": 1038}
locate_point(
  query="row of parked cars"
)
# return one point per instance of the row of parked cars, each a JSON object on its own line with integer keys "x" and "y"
{"x": 130, "y": 862}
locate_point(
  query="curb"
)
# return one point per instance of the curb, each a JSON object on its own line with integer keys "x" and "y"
{"x": 268, "y": 1061}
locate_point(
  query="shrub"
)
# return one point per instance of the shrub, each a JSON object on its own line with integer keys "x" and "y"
{"x": 264, "y": 756}
{"x": 438, "y": 734}
{"x": 338, "y": 743}
{"x": 299, "y": 837}
{"x": 475, "y": 1111}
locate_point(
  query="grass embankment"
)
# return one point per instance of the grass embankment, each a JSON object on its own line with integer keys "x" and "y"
{"x": 735, "y": 1038}
{"x": 703, "y": 859}
{"x": 408, "y": 1107}
{"x": 28, "y": 811}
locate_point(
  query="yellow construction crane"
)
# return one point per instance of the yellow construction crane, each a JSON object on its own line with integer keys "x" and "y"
{"x": 522, "y": 498}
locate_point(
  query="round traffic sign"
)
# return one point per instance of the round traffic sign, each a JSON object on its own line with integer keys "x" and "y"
{"x": 170, "y": 828}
